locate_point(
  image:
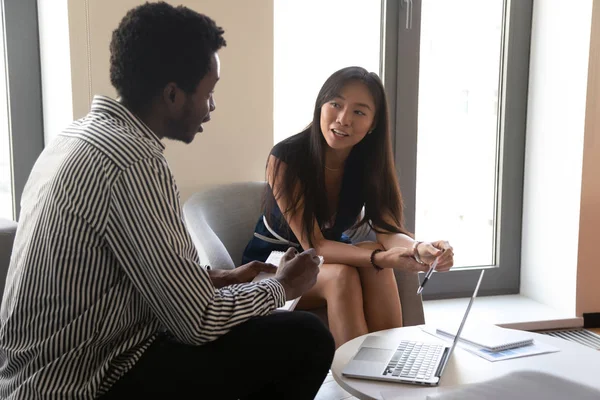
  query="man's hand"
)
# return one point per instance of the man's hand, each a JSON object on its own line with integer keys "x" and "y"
{"x": 298, "y": 272}
{"x": 245, "y": 273}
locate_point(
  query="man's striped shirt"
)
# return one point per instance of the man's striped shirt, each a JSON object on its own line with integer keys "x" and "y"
{"x": 102, "y": 262}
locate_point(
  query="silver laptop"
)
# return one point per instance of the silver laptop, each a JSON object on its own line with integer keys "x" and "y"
{"x": 409, "y": 361}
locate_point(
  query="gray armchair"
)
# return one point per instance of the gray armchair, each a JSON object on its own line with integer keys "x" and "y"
{"x": 8, "y": 229}
{"x": 221, "y": 221}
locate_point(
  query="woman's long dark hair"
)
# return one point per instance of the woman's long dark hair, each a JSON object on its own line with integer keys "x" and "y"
{"x": 302, "y": 178}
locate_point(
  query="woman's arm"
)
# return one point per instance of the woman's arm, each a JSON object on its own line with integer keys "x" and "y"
{"x": 389, "y": 240}
{"x": 332, "y": 251}
{"x": 424, "y": 251}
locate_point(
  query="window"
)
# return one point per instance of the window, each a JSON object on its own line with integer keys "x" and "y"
{"x": 456, "y": 75}
{"x": 312, "y": 40}
{"x": 459, "y": 85}
{"x": 21, "y": 132}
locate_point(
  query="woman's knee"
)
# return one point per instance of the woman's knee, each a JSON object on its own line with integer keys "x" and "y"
{"x": 345, "y": 277}
{"x": 343, "y": 282}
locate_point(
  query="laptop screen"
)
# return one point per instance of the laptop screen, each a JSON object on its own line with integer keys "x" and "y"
{"x": 462, "y": 324}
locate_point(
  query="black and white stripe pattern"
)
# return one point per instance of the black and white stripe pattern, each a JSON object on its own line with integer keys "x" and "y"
{"x": 102, "y": 262}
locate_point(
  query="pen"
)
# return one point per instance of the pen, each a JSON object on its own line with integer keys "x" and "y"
{"x": 428, "y": 275}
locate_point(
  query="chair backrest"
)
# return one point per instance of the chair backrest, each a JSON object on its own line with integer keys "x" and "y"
{"x": 8, "y": 229}
{"x": 221, "y": 220}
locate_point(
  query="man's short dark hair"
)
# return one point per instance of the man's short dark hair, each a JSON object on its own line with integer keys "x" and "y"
{"x": 157, "y": 43}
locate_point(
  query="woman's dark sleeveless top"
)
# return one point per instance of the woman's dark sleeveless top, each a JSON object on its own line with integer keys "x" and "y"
{"x": 350, "y": 204}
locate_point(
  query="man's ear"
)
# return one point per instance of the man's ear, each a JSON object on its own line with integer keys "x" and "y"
{"x": 173, "y": 98}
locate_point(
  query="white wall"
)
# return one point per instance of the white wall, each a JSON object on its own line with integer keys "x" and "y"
{"x": 235, "y": 144}
{"x": 554, "y": 150}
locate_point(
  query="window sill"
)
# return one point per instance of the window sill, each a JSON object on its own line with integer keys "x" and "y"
{"x": 510, "y": 311}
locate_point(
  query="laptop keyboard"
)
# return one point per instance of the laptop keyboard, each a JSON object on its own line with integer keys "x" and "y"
{"x": 414, "y": 360}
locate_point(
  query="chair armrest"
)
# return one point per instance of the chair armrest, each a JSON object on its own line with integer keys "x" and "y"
{"x": 210, "y": 249}
{"x": 8, "y": 230}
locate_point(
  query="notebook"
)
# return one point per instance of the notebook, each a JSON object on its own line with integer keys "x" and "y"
{"x": 490, "y": 337}
{"x": 275, "y": 259}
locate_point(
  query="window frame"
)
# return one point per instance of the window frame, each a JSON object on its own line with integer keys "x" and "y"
{"x": 24, "y": 91}
{"x": 401, "y": 78}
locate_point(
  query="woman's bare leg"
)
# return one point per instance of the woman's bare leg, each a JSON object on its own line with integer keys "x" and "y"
{"x": 382, "y": 308}
{"x": 338, "y": 287}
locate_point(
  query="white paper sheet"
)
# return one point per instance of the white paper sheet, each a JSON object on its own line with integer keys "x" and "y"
{"x": 525, "y": 351}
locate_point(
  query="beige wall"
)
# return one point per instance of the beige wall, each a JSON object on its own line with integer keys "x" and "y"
{"x": 588, "y": 270}
{"x": 235, "y": 144}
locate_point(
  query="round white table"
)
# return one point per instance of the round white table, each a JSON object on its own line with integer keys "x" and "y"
{"x": 574, "y": 361}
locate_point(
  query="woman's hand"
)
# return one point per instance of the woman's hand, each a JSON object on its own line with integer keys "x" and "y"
{"x": 428, "y": 252}
{"x": 399, "y": 258}
{"x": 246, "y": 273}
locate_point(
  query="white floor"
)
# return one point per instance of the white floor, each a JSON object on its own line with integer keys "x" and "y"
{"x": 330, "y": 390}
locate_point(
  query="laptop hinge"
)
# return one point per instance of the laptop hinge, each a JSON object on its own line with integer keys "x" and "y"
{"x": 442, "y": 364}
